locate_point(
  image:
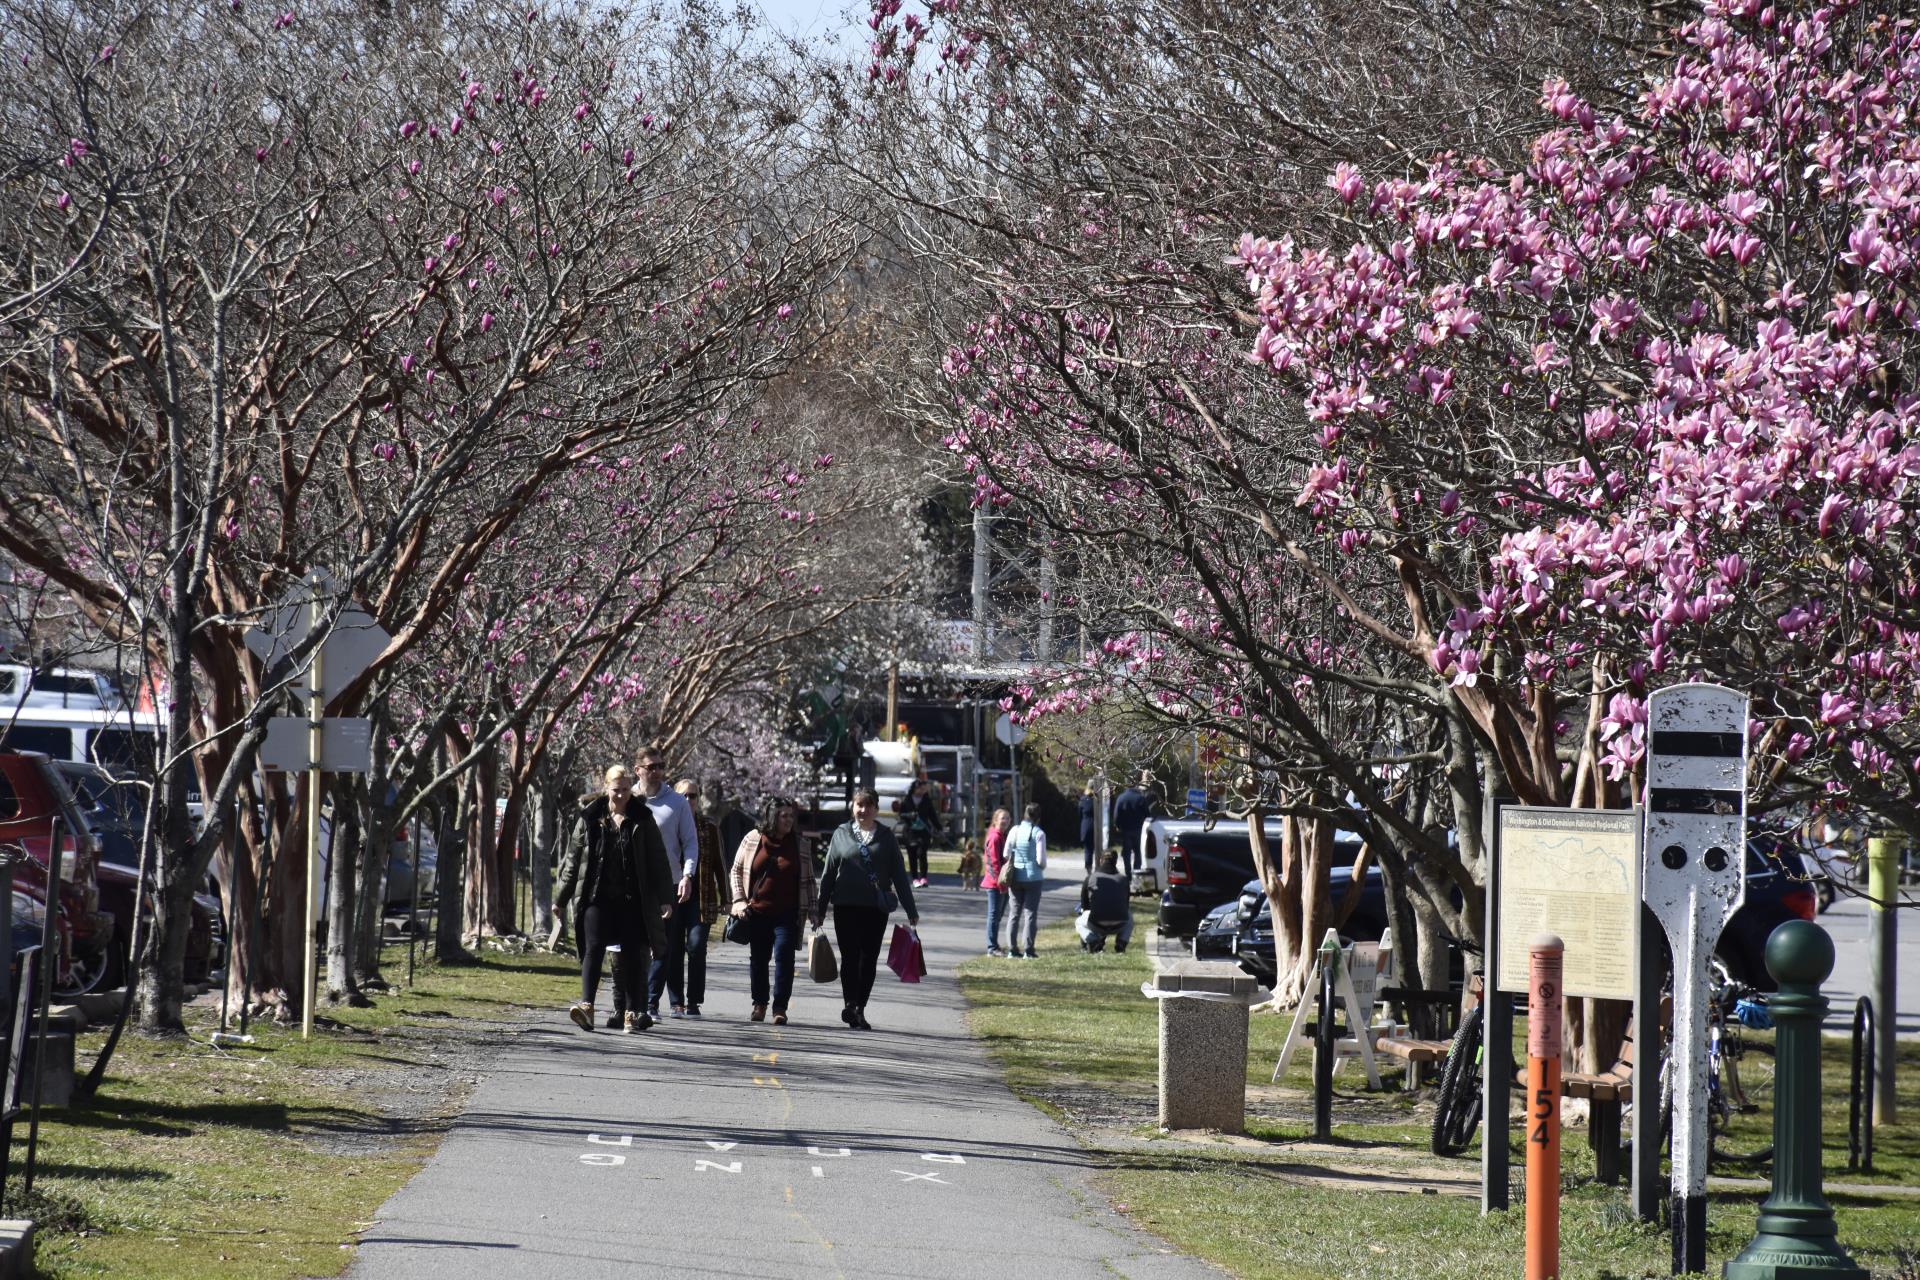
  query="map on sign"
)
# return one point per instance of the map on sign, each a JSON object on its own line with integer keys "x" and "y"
{"x": 1574, "y": 872}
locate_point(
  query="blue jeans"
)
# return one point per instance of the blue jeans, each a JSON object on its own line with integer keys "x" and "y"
{"x": 680, "y": 970}
{"x": 996, "y": 911}
{"x": 1026, "y": 914}
{"x": 772, "y": 937}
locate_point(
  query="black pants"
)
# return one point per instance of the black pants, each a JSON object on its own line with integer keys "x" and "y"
{"x": 600, "y": 926}
{"x": 917, "y": 843}
{"x": 859, "y": 931}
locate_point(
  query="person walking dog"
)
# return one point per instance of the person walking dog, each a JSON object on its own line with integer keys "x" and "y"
{"x": 621, "y": 891}
{"x": 1027, "y": 866}
{"x": 773, "y": 891}
{"x": 863, "y": 880}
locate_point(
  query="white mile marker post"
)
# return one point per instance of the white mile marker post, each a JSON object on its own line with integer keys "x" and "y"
{"x": 1693, "y": 878}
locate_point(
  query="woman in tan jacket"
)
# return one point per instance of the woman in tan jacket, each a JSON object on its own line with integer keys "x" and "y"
{"x": 773, "y": 891}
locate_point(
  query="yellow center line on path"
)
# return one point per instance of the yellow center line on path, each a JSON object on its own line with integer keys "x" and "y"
{"x": 804, "y": 1221}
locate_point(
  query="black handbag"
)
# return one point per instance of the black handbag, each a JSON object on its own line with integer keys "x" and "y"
{"x": 736, "y": 929}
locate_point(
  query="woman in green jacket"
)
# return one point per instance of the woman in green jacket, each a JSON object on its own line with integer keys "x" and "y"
{"x": 863, "y": 876}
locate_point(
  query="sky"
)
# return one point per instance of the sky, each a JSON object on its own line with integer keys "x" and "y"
{"x": 817, "y": 18}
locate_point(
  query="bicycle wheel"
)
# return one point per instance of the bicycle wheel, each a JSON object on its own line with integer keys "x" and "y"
{"x": 1458, "y": 1114}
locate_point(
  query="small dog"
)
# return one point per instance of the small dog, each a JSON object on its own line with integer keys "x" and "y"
{"x": 972, "y": 866}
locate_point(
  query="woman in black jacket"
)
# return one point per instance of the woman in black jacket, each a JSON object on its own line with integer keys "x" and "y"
{"x": 863, "y": 875}
{"x": 622, "y": 892}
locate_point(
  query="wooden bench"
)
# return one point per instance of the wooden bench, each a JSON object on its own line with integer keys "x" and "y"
{"x": 1605, "y": 1092}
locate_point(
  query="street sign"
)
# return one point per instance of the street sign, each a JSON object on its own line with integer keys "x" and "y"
{"x": 1693, "y": 877}
{"x": 346, "y": 745}
{"x": 355, "y": 641}
{"x": 1008, "y": 732}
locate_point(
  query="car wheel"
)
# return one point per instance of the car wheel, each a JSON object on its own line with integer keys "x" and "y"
{"x": 88, "y": 973}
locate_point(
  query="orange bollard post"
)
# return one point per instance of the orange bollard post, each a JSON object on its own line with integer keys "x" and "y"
{"x": 1546, "y": 1014}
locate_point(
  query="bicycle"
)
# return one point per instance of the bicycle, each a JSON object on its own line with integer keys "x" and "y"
{"x": 1730, "y": 1005}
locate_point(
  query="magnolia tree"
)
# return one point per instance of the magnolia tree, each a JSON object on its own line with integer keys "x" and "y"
{"x": 1092, "y": 380}
{"x": 1656, "y": 383}
{"x": 281, "y": 297}
{"x": 1621, "y": 406}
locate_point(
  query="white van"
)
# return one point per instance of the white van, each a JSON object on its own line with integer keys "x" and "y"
{"x": 122, "y": 741}
{"x": 67, "y": 689}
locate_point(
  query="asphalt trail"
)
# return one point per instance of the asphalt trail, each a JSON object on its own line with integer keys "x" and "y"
{"x": 728, "y": 1148}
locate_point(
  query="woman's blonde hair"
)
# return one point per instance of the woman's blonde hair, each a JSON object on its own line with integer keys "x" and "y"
{"x": 997, "y": 815}
{"x": 616, "y": 770}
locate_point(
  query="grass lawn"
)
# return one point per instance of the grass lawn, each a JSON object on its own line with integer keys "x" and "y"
{"x": 1071, "y": 1028}
{"x": 264, "y": 1161}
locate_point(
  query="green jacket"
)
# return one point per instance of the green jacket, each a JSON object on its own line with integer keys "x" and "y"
{"x": 845, "y": 882}
{"x": 649, "y": 879}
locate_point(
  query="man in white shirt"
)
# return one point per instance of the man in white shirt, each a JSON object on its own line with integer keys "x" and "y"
{"x": 678, "y": 970}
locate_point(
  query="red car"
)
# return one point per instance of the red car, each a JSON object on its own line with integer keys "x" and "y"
{"x": 32, "y": 797}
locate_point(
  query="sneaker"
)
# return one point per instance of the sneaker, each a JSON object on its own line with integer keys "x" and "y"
{"x": 779, "y": 1017}
{"x": 693, "y": 1011}
{"x": 653, "y": 1011}
{"x": 582, "y": 1014}
{"x": 759, "y": 1013}
{"x": 616, "y": 1019}
{"x": 631, "y": 1025}
{"x": 1033, "y": 955}
{"x": 995, "y": 951}
{"x": 678, "y": 1011}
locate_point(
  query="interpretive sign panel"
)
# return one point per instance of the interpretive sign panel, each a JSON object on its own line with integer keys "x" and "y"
{"x": 1574, "y": 872}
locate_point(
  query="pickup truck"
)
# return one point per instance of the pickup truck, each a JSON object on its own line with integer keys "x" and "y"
{"x": 1203, "y": 867}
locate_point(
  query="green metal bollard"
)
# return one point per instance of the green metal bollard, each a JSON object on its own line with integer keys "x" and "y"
{"x": 1796, "y": 1236}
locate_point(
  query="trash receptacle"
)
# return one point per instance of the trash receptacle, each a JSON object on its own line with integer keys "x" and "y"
{"x": 1203, "y": 1044}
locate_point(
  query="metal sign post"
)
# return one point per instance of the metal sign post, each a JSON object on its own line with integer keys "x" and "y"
{"x": 340, "y": 745}
{"x": 316, "y": 704}
{"x": 1693, "y": 873}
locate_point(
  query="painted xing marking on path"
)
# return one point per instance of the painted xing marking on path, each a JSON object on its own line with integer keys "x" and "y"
{"x": 921, "y": 1177}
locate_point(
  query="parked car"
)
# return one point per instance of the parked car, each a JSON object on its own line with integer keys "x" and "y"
{"x": 1777, "y": 891}
{"x": 400, "y": 885}
{"x": 1242, "y": 930}
{"x": 32, "y": 796}
{"x": 114, "y": 810}
{"x": 1213, "y": 937}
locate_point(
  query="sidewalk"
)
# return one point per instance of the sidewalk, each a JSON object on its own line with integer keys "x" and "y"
{"x": 725, "y": 1147}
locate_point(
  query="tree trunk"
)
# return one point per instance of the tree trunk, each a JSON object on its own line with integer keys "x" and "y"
{"x": 160, "y": 992}
{"x": 489, "y": 894}
{"x": 450, "y": 892}
{"x": 546, "y": 843}
{"x": 370, "y": 915}
{"x": 343, "y": 874}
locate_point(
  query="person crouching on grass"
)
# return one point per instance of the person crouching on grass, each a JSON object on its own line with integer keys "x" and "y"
{"x": 622, "y": 892}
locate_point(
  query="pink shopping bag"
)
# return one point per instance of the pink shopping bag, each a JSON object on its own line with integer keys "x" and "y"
{"x": 904, "y": 956}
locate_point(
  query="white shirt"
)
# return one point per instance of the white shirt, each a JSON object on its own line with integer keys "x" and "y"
{"x": 674, "y": 816}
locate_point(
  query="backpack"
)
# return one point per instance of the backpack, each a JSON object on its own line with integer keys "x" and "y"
{"x": 1023, "y": 853}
